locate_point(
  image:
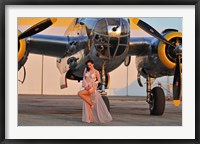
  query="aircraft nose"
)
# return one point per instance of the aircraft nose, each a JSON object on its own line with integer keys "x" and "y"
{"x": 111, "y": 37}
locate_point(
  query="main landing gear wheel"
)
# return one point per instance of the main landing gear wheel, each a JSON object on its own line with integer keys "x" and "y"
{"x": 106, "y": 101}
{"x": 157, "y": 101}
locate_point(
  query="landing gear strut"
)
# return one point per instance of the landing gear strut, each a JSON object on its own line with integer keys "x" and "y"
{"x": 103, "y": 83}
{"x": 155, "y": 98}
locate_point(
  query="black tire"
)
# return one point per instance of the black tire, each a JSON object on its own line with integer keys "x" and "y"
{"x": 106, "y": 101}
{"x": 157, "y": 106}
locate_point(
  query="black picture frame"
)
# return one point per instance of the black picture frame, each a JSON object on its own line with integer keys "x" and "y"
{"x": 4, "y": 3}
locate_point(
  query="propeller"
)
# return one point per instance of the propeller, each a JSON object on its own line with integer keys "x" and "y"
{"x": 37, "y": 28}
{"x": 150, "y": 30}
{"x": 177, "y": 77}
{"x": 177, "y": 82}
{"x": 177, "y": 48}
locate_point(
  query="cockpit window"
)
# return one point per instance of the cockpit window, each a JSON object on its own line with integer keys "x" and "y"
{"x": 101, "y": 27}
{"x": 113, "y": 21}
{"x": 111, "y": 36}
{"x": 125, "y": 28}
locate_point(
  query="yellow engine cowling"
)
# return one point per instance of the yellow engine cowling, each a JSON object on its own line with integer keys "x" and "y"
{"x": 162, "y": 49}
{"x": 22, "y": 52}
{"x": 21, "y": 48}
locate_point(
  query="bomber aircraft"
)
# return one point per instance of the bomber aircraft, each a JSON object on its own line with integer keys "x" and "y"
{"x": 108, "y": 43}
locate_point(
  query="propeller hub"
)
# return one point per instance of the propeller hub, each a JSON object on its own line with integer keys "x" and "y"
{"x": 178, "y": 50}
{"x": 172, "y": 52}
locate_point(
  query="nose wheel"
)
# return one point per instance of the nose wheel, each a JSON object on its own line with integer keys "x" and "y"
{"x": 102, "y": 89}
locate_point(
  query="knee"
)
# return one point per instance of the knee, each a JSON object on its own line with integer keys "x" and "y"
{"x": 79, "y": 93}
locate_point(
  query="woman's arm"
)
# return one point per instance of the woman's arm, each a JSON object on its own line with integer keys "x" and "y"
{"x": 98, "y": 77}
{"x": 84, "y": 83}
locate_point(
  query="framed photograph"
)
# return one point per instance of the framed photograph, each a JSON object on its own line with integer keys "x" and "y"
{"x": 56, "y": 53}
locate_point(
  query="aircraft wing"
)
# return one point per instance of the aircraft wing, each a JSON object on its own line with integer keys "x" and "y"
{"x": 30, "y": 41}
{"x": 140, "y": 46}
{"x": 56, "y": 46}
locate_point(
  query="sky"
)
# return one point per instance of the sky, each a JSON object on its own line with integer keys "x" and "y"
{"x": 159, "y": 23}
{"x": 162, "y": 23}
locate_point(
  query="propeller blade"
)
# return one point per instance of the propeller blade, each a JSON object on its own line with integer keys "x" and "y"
{"x": 37, "y": 28}
{"x": 150, "y": 30}
{"x": 177, "y": 82}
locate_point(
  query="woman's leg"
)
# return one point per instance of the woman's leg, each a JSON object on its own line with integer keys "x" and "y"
{"x": 90, "y": 115}
{"x": 85, "y": 95}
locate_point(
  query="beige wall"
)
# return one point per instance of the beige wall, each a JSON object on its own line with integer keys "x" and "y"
{"x": 123, "y": 80}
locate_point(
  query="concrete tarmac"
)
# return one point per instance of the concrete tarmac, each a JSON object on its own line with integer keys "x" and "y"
{"x": 67, "y": 111}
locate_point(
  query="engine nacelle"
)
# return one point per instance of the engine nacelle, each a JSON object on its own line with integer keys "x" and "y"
{"x": 22, "y": 52}
{"x": 166, "y": 52}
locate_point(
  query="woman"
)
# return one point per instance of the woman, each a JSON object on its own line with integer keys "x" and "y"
{"x": 94, "y": 108}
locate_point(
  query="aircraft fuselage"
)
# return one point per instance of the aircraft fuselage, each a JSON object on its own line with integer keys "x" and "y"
{"x": 107, "y": 42}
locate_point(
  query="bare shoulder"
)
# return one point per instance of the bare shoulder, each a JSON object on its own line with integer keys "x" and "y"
{"x": 96, "y": 71}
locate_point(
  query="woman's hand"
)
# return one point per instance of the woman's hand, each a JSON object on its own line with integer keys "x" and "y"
{"x": 90, "y": 85}
{"x": 91, "y": 90}
{"x": 84, "y": 84}
{"x": 95, "y": 84}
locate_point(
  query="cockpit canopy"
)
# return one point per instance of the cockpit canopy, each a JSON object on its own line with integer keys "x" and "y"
{"x": 111, "y": 36}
